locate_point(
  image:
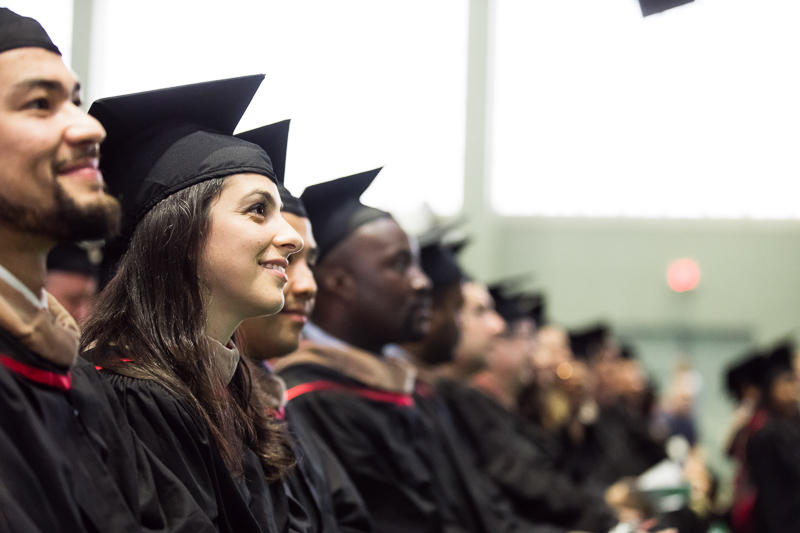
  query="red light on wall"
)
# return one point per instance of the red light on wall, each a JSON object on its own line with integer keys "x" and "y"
{"x": 683, "y": 275}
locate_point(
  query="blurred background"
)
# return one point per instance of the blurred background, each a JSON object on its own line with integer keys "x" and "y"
{"x": 587, "y": 147}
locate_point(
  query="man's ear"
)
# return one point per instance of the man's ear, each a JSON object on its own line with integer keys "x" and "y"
{"x": 337, "y": 281}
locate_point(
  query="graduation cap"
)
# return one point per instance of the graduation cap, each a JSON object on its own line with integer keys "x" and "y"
{"x": 70, "y": 257}
{"x": 651, "y": 7}
{"x": 274, "y": 139}
{"x": 510, "y": 300}
{"x": 506, "y": 304}
{"x": 513, "y": 304}
{"x": 587, "y": 343}
{"x": 449, "y": 234}
{"x": 535, "y": 307}
{"x": 457, "y": 245}
{"x": 335, "y": 210}
{"x": 746, "y": 371}
{"x": 626, "y": 351}
{"x": 160, "y": 142}
{"x": 440, "y": 265}
{"x": 17, "y": 31}
{"x": 779, "y": 361}
{"x": 439, "y": 247}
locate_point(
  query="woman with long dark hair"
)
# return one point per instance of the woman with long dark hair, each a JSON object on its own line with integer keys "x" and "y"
{"x": 203, "y": 247}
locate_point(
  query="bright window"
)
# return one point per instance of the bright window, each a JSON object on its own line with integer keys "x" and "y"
{"x": 691, "y": 113}
{"x": 365, "y": 83}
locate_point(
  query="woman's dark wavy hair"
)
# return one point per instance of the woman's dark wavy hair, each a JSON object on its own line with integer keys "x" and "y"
{"x": 153, "y": 312}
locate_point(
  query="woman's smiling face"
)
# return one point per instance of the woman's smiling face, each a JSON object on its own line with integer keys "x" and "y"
{"x": 243, "y": 260}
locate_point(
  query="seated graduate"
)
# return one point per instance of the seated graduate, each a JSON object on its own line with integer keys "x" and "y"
{"x": 72, "y": 277}
{"x": 605, "y": 427}
{"x": 69, "y": 461}
{"x": 773, "y": 446}
{"x": 743, "y": 381}
{"x": 330, "y": 501}
{"x": 203, "y": 247}
{"x": 516, "y": 457}
{"x": 372, "y": 292}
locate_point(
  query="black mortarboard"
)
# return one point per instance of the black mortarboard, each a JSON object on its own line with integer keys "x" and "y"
{"x": 440, "y": 265}
{"x": 159, "y": 142}
{"x": 506, "y": 304}
{"x": 779, "y": 361}
{"x": 274, "y": 139}
{"x": 510, "y": 300}
{"x": 335, "y": 211}
{"x": 439, "y": 246}
{"x": 534, "y": 307}
{"x": 513, "y": 304}
{"x": 747, "y": 371}
{"x": 69, "y": 257}
{"x": 586, "y": 344}
{"x": 626, "y": 351}
{"x": 651, "y": 7}
{"x": 456, "y": 246}
{"x": 22, "y": 32}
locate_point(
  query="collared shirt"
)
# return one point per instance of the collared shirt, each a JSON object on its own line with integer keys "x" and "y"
{"x": 317, "y": 335}
{"x": 14, "y": 282}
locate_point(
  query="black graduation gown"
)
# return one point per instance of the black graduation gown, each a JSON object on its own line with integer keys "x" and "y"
{"x": 381, "y": 441}
{"x": 69, "y": 461}
{"x": 170, "y": 430}
{"x": 459, "y": 467}
{"x": 501, "y": 446}
{"x": 616, "y": 445}
{"x": 330, "y": 501}
{"x": 773, "y": 458}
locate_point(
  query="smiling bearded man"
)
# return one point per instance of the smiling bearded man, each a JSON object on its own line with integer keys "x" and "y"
{"x": 372, "y": 292}
{"x": 69, "y": 463}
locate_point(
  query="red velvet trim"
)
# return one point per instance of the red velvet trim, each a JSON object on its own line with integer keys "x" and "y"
{"x": 423, "y": 389}
{"x": 743, "y": 513}
{"x": 397, "y": 398}
{"x": 758, "y": 421}
{"x": 45, "y": 377}
{"x": 98, "y": 367}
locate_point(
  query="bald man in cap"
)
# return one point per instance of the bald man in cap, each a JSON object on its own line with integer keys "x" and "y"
{"x": 372, "y": 292}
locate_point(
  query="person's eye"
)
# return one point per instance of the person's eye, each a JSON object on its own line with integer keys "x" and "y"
{"x": 39, "y": 104}
{"x": 401, "y": 264}
{"x": 259, "y": 209}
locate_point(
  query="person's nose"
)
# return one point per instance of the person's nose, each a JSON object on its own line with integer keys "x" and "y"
{"x": 83, "y": 128}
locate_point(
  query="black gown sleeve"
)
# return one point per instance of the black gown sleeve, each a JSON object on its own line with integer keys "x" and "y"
{"x": 323, "y": 485}
{"x": 773, "y": 458}
{"x": 173, "y": 434}
{"x": 163, "y": 504}
{"x": 349, "y": 508}
{"x": 31, "y": 500}
{"x": 376, "y": 444}
{"x": 60, "y": 450}
{"x": 526, "y": 472}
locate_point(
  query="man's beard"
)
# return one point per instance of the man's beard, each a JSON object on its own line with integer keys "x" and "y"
{"x": 67, "y": 221}
{"x": 414, "y": 328}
